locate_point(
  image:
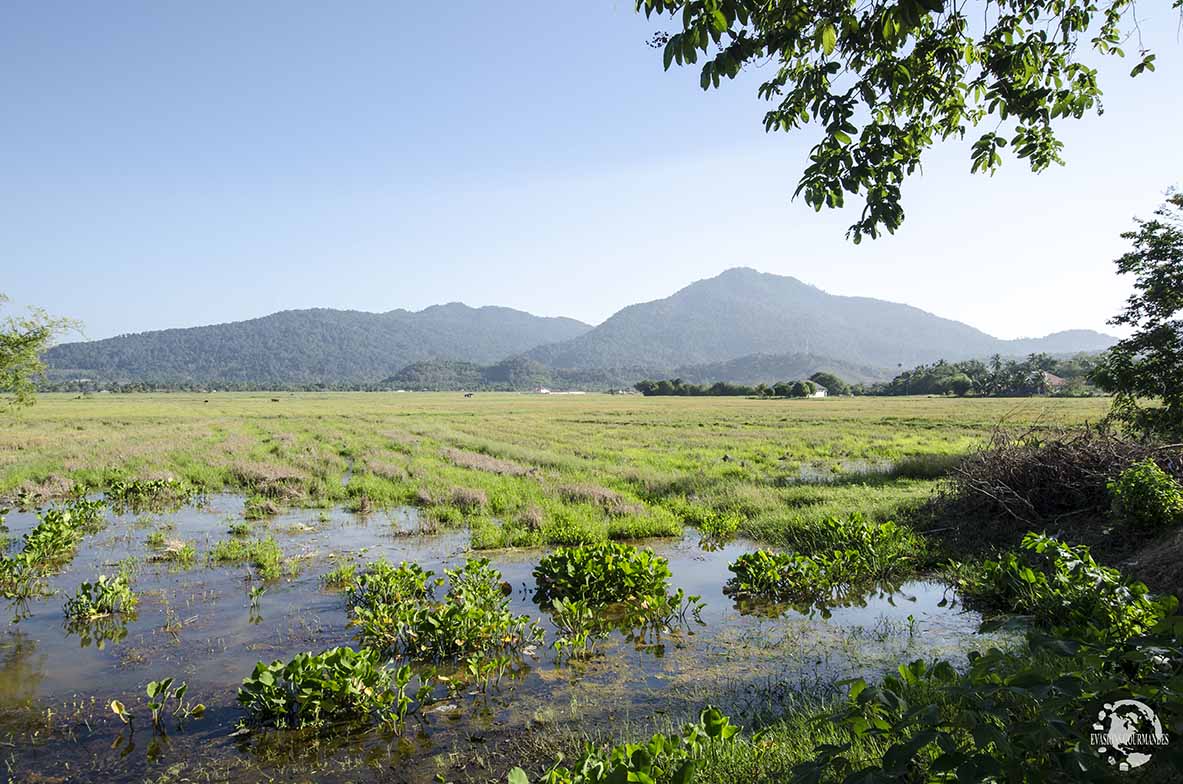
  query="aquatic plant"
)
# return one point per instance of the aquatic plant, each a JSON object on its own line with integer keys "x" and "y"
{"x": 161, "y": 693}
{"x": 395, "y": 610}
{"x": 262, "y": 554}
{"x": 340, "y": 684}
{"x": 343, "y": 578}
{"x": 147, "y": 493}
{"x": 48, "y": 545}
{"x": 602, "y": 572}
{"x": 1061, "y": 586}
{"x": 105, "y": 597}
{"x": 664, "y": 758}
{"x": 1146, "y": 496}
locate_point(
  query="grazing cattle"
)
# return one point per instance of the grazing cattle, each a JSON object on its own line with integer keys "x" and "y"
{"x": 468, "y": 394}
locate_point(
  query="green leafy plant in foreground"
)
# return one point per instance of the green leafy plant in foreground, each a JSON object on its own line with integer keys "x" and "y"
{"x": 396, "y": 610}
{"x": 338, "y": 685}
{"x": 664, "y": 758}
{"x": 1021, "y": 716}
{"x": 1062, "y": 587}
{"x": 1146, "y": 496}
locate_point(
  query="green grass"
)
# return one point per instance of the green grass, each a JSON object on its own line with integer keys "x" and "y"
{"x": 524, "y": 470}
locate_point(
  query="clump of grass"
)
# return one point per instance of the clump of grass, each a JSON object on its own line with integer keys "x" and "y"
{"x": 481, "y": 462}
{"x": 469, "y": 499}
{"x": 396, "y": 610}
{"x": 178, "y": 552}
{"x": 609, "y": 500}
{"x": 105, "y": 597}
{"x": 343, "y": 578}
{"x": 259, "y": 508}
{"x": 239, "y": 528}
{"x": 264, "y": 555}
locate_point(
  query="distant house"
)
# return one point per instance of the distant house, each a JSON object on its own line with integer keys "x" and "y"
{"x": 1053, "y": 381}
{"x": 542, "y": 391}
{"x": 819, "y": 390}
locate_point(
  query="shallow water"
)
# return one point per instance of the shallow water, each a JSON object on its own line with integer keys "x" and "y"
{"x": 196, "y": 625}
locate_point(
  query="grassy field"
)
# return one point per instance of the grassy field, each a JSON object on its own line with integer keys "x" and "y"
{"x": 523, "y": 470}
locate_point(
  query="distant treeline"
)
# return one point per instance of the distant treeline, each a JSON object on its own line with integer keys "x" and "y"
{"x": 677, "y": 387}
{"x": 1038, "y": 374}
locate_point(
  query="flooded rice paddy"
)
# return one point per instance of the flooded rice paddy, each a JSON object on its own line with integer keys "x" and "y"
{"x": 199, "y": 625}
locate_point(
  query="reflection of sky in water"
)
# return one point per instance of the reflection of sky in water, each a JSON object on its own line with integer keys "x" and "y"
{"x": 745, "y": 663}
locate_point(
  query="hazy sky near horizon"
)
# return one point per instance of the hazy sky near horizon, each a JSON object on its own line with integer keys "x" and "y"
{"x": 171, "y": 164}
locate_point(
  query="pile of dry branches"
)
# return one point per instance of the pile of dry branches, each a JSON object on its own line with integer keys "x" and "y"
{"x": 1045, "y": 481}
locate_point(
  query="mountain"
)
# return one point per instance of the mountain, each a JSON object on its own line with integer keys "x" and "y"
{"x": 768, "y": 368}
{"x": 742, "y": 312}
{"x": 299, "y": 347}
{"x": 742, "y": 326}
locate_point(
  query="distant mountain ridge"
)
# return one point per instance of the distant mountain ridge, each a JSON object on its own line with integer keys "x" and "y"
{"x": 295, "y": 347}
{"x": 742, "y": 312}
{"x": 742, "y": 325}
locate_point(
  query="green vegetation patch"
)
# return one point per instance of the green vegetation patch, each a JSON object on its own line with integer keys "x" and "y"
{"x": 602, "y": 573}
{"x": 1145, "y": 496}
{"x": 396, "y": 610}
{"x": 105, "y": 597}
{"x": 263, "y": 555}
{"x": 338, "y": 685}
{"x": 842, "y": 558}
{"x": 1062, "y": 587}
{"x": 664, "y": 758}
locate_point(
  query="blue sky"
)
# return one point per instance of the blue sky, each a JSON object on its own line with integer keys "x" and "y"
{"x": 172, "y": 163}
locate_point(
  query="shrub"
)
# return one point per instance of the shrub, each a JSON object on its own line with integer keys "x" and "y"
{"x": 105, "y": 597}
{"x": 603, "y": 573}
{"x": 338, "y": 685}
{"x": 396, "y": 611}
{"x": 1064, "y": 588}
{"x": 1146, "y": 496}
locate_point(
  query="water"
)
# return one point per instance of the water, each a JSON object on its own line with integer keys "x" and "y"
{"x": 196, "y": 625}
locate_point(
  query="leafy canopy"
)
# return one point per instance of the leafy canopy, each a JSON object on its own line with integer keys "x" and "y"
{"x": 22, "y": 339}
{"x": 1148, "y": 365}
{"x": 886, "y": 79}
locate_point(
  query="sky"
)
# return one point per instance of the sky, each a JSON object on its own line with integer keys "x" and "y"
{"x": 170, "y": 163}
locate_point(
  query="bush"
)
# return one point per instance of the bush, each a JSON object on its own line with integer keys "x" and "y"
{"x": 603, "y": 573}
{"x": 1146, "y": 496}
{"x": 338, "y": 685}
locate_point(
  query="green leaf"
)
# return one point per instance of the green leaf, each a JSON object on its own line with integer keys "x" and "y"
{"x": 829, "y": 38}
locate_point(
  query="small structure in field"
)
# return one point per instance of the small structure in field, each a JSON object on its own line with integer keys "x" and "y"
{"x": 819, "y": 390}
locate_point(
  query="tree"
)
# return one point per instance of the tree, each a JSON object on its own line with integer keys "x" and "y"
{"x": 1148, "y": 365}
{"x": 833, "y": 384}
{"x": 22, "y": 339}
{"x": 886, "y": 79}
